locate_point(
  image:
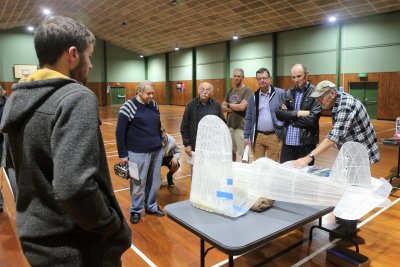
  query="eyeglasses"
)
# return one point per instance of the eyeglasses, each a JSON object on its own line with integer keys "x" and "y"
{"x": 237, "y": 76}
{"x": 202, "y": 89}
{"x": 262, "y": 79}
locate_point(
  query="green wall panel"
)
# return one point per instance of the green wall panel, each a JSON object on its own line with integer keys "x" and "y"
{"x": 251, "y": 53}
{"x": 156, "y": 68}
{"x": 210, "y": 53}
{"x": 305, "y": 40}
{"x": 123, "y": 65}
{"x": 97, "y": 73}
{"x": 180, "y": 58}
{"x": 15, "y": 48}
{"x": 210, "y": 61}
{"x": 250, "y": 66}
{"x": 372, "y": 31}
{"x": 180, "y": 73}
{"x": 180, "y": 65}
{"x": 317, "y": 63}
{"x": 376, "y": 59}
{"x": 211, "y": 71}
{"x": 252, "y": 48}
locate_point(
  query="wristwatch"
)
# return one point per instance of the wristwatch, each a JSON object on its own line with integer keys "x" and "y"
{"x": 311, "y": 155}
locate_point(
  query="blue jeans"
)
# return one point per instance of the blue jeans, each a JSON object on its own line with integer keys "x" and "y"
{"x": 145, "y": 190}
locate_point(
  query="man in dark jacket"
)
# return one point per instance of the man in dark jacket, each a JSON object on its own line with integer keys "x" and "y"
{"x": 301, "y": 113}
{"x": 67, "y": 213}
{"x": 198, "y": 108}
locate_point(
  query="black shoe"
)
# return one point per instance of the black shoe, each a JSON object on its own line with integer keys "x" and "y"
{"x": 157, "y": 212}
{"x": 170, "y": 180}
{"x": 135, "y": 218}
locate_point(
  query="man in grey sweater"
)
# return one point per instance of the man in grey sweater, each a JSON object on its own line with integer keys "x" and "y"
{"x": 67, "y": 213}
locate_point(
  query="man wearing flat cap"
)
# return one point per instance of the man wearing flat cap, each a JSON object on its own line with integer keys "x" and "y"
{"x": 350, "y": 123}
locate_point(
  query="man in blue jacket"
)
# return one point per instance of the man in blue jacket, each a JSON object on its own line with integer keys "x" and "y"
{"x": 262, "y": 129}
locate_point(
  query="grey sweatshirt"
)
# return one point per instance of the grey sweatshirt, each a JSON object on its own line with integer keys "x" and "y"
{"x": 67, "y": 213}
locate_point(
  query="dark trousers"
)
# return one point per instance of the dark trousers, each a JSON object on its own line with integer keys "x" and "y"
{"x": 295, "y": 152}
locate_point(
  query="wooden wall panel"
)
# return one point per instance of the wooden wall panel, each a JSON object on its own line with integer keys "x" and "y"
{"x": 180, "y": 98}
{"x": 388, "y": 91}
{"x": 7, "y": 86}
{"x": 99, "y": 89}
{"x": 219, "y": 88}
{"x": 160, "y": 95}
{"x": 250, "y": 82}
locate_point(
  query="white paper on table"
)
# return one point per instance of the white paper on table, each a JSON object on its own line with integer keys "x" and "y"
{"x": 133, "y": 170}
{"x": 191, "y": 158}
{"x": 245, "y": 157}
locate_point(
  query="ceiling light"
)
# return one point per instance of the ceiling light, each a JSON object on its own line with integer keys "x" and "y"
{"x": 30, "y": 28}
{"x": 332, "y": 19}
{"x": 141, "y": 55}
{"x": 46, "y": 11}
{"x": 176, "y": 47}
{"x": 235, "y": 36}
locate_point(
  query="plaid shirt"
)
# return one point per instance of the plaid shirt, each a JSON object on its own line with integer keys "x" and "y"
{"x": 352, "y": 123}
{"x": 293, "y": 133}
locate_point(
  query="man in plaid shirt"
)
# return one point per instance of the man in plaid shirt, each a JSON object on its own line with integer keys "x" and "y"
{"x": 350, "y": 123}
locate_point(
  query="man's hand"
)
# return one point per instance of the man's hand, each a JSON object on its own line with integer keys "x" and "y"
{"x": 188, "y": 150}
{"x": 283, "y": 106}
{"x": 302, "y": 162}
{"x": 246, "y": 142}
{"x": 174, "y": 162}
{"x": 123, "y": 160}
{"x": 303, "y": 113}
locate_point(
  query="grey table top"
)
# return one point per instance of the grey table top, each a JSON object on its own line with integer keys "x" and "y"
{"x": 238, "y": 235}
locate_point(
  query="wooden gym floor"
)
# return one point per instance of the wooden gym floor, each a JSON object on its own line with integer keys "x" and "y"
{"x": 158, "y": 241}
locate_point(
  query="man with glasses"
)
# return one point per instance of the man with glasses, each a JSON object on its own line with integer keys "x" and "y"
{"x": 195, "y": 110}
{"x": 350, "y": 123}
{"x": 235, "y": 104}
{"x": 262, "y": 129}
{"x": 301, "y": 113}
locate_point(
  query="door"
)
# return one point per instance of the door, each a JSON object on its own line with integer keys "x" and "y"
{"x": 367, "y": 93}
{"x": 118, "y": 95}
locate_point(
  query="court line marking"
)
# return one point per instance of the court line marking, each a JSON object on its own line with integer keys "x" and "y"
{"x": 141, "y": 255}
{"x": 391, "y": 129}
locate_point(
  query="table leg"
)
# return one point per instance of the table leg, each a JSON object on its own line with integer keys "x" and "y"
{"x": 398, "y": 169}
{"x": 230, "y": 261}
{"x": 202, "y": 254}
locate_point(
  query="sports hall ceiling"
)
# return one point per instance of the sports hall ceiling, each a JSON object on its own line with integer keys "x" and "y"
{"x": 157, "y": 26}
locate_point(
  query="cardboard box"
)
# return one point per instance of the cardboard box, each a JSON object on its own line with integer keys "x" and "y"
{"x": 344, "y": 257}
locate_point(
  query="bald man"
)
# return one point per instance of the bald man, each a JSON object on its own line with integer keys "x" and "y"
{"x": 300, "y": 113}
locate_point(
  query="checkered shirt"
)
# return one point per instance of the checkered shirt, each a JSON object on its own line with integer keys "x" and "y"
{"x": 352, "y": 123}
{"x": 293, "y": 133}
